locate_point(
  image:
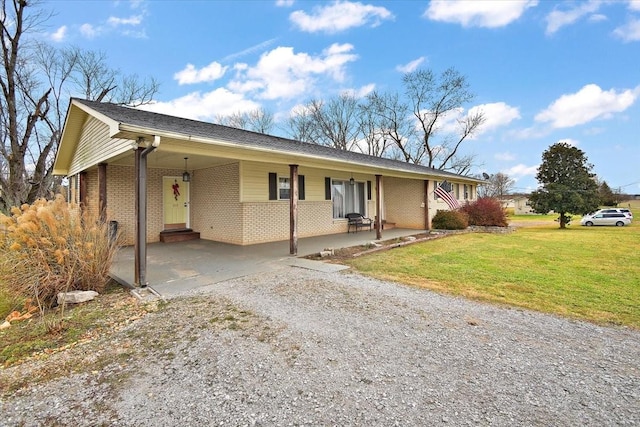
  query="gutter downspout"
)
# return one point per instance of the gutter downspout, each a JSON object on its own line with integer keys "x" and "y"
{"x": 140, "y": 267}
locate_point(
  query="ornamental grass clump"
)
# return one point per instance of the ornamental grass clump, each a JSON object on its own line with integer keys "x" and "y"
{"x": 49, "y": 247}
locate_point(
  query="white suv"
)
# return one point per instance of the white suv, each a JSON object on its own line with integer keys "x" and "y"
{"x": 606, "y": 218}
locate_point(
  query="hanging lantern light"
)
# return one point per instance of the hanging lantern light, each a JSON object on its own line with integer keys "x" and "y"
{"x": 186, "y": 176}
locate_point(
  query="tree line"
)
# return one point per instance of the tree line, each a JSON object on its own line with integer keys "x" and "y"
{"x": 425, "y": 124}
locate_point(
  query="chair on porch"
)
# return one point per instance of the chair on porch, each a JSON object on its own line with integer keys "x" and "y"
{"x": 358, "y": 221}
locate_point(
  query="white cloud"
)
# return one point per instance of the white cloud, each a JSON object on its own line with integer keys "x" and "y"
{"x": 506, "y": 157}
{"x": 190, "y": 74}
{"x": 519, "y": 171}
{"x": 132, "y": 20}
{"x": 532, "y": 132}
{"x": 362, "y": 91}
{"x": 339, "y": 16}
{"x": 88, "y": 31}
{"x": 204, "y": 106}
{"x": 634, "y": 5}
{"x": 284, "y": 3}
{"x": 411, "y": 66}
{"x": 629, "y": 32}
{"x": 597, "y": 17}
{"x": 496, "y": 114}
{"x": 281, "y": 73}
{"x": 559, "y": 18}
{"x": 478, "y": 13}
{"x": 250, "y": 50}
{"x": 589, "y": 103}
{"x": 59, "y": 34}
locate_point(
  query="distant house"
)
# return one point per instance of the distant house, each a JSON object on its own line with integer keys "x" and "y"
{"x": 239, "y": 187}
{"x": 522, "y": 206}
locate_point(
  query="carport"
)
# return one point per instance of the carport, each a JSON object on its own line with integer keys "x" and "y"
{"x": 176, "y": 268}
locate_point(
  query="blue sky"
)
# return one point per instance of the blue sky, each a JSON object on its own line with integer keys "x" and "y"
{"x": 542, "y": 71}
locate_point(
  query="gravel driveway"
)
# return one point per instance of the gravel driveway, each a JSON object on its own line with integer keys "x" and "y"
{"x": 300, "y": 347}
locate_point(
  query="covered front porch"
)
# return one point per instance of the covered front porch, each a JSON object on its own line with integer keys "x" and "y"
{"x": 181, "y": 267}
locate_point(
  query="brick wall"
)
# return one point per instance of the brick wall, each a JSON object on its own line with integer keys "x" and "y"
{"x": 269, "y": 221}
{"x": 121, "y": 199}
{"x": 403, "y": 200}
{"x": 216, "y": 211}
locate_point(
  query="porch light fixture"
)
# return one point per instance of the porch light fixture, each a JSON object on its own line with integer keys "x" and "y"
{"x": 352, "y": 181}
{"x": 186, "y": 176}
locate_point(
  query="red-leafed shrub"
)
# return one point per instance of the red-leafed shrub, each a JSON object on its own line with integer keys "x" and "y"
{"x": 486, "y": 211}
{"x": 449, "y": 220}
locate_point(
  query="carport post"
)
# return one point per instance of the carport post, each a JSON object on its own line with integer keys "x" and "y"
{"x": 379, "y": 207}
{"x": 293, "y": 210}
{"x": 102, "y": 191}
{"x": 426, "y": 204}
{"x": 140, "y": 266}
{"x": 136, "y": 243}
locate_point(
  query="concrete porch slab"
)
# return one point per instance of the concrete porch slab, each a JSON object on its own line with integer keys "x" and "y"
{"x": 175, "y": 268}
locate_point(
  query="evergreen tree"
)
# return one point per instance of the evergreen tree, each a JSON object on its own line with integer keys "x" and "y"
{"x": 568, "y": 185}
{"x": 607, "y": 198}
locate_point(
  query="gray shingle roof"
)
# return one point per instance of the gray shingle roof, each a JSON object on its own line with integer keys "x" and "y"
{"x": 194, "y": 128}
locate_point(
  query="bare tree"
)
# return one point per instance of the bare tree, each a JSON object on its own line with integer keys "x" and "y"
{"x": 99, "y": 82}
{"x": 35, "y": 82}
{"x": 498, "y": 185}
{"x": 258, "y": 120}
{"x": 391, "y": 118}
{"x": 333, "y": 123}
{"x": 300, "y": 124}
{"x": 434, "y": 99}
{"x": 24, "y": 101}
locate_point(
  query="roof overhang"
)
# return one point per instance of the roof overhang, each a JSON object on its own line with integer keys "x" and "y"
{"x": 184, "y": 144}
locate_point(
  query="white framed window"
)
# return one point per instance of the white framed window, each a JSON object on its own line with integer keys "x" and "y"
{"x": 348, "y": 198}
{"x": 284, "y": 188}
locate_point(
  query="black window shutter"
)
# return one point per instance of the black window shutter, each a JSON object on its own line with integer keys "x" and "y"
{"x": 300, "y": 187}
{"x": 273, "y": 186}
{"x": 368, "y": 190}
{"x": 327, "y": 188}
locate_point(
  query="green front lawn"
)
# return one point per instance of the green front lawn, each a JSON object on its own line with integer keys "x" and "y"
{"x": 589, "y": 273}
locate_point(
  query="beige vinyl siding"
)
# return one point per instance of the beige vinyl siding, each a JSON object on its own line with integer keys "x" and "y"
{"x": 96, "y": 146}
{"x": 254, "y": 181}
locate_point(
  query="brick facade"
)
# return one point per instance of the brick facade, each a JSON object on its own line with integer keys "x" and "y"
{"x": 403, "y": 202}
{"x": 217, "y": 212}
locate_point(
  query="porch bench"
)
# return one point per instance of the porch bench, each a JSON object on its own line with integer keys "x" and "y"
{"x": 358, "y": 221}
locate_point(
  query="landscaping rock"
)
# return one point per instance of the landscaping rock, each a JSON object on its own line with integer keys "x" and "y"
{"x": 75, "y": 297}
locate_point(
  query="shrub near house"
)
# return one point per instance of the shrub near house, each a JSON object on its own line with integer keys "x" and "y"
{"x": 486, "y": 211}
{"x": 449, "y": 220}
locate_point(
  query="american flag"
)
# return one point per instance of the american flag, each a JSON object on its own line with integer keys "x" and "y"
{"x": 444, "y": 192}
